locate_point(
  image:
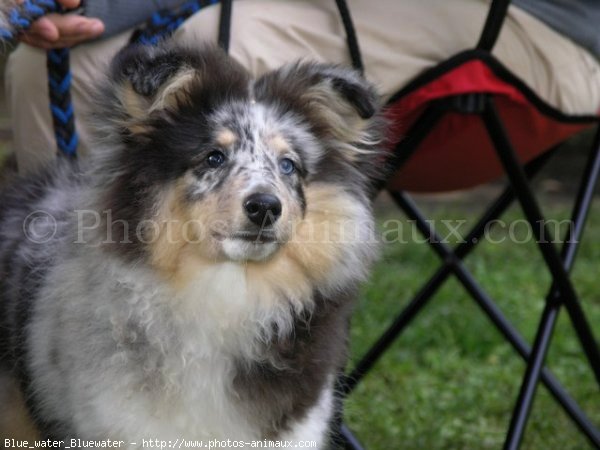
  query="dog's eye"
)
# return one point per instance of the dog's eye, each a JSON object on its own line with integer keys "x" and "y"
{"x": 215, "y": 159}
{"x": 287, "y": 166}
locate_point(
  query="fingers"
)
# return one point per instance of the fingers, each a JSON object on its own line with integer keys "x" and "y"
{"x": 44, "y": 29}
{"x": 58, "y": 31}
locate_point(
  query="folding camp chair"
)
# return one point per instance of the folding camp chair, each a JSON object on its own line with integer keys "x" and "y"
{"x": 473, "y": 98}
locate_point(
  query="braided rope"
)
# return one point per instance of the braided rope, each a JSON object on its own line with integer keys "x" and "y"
{"x": 61, "y": 105}
{"x": 164, "y": 23}
{"x": 17, "y": 20}
{"x": 20, "y": 17}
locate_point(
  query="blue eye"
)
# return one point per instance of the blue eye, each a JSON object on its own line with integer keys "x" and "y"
{"x": 287, "y": 166}
{"x": 215, "y": 159}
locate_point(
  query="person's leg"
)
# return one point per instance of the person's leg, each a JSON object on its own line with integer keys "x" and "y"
{"x": 400, "y": 39}
{"x": 27, "y": 97}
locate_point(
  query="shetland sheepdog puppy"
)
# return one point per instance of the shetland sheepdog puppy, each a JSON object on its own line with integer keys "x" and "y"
{"x": 194, "y": 278}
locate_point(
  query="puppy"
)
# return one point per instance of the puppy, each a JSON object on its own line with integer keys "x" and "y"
{"x": 195, "y": 279}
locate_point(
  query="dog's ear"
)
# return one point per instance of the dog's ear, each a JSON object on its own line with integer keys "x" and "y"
{"x": 150, "y": 79}
{"x": 147, "y": 81}
{"x": 356, "y": 91}
{"x": 337, "y": 101}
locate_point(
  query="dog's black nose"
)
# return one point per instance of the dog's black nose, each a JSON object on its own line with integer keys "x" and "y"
{"x": 262, "y": 209}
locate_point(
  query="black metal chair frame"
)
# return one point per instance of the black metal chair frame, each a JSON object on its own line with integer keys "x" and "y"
{"x": 561, "y": 293}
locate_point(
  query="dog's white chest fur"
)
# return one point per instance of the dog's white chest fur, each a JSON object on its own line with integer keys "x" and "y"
{"x": 168, "y": 362}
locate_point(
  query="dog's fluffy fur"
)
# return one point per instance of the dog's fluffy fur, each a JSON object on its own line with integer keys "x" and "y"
{"x": 155, "y": 308}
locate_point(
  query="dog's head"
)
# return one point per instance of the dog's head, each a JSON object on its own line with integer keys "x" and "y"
{"x": 207, "y": 161}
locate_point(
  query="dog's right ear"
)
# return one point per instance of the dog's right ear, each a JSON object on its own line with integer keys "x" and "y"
{"x": 148, "y": 81}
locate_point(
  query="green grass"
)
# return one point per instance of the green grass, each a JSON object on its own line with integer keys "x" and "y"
{"x": 450, "y": 381}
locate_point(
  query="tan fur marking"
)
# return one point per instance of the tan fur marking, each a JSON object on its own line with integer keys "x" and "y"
{"x": 183, "y": 240}
{"x": 327, "y": 227}
{"x": 279, "y": 144}
{"x": 168, "y": 243}
{"x": 175, "y": 91}
{"x": 136, "y": 107}
{"x": 226, "y": 138}
{"x": 278, "y": 276}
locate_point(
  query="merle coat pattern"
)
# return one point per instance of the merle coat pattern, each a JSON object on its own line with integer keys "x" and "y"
{"x": 144, "y": 299}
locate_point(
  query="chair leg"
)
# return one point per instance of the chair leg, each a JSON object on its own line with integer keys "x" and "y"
{"x": 498, "y": 319}
{"x": 350, "y": 442}
{"x": 407, "y": 147}
{"x": 533, "y": 214}
{"x": 453, "y": 264}
{"x": 544, "y": 334}
{"x": 561, "y": 291}
{"x": 487, "y": 305}
{"x": 530, "y": 380}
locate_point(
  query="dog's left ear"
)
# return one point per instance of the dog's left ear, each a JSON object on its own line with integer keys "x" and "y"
{"x": 357, "y": 92}
{"x": 338, "y": 102}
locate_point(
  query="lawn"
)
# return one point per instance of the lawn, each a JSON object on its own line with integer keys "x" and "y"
{"x": 450, "y": 381}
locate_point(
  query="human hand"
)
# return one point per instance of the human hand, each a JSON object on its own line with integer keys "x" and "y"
{"x": 62, "y": 30}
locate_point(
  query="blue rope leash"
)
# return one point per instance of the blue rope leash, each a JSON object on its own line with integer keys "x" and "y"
{"x": 160, "y": 26}
{"x": 164, "y": 23}
{"x": 61, "y": 104}
{"x": 21, "y": 17}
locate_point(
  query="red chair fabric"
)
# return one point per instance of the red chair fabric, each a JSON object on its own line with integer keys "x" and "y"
{"x": 458, "y": 153}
